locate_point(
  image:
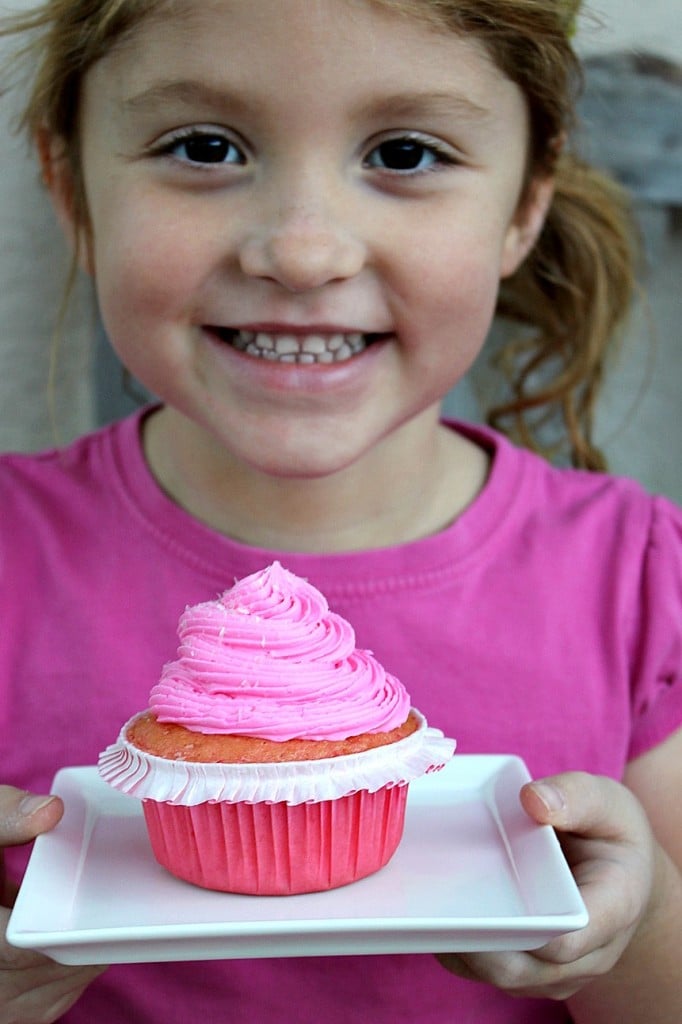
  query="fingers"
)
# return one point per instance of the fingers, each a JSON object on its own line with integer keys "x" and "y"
{"x": 586, "y": 805}
{"x": 610, "y": 847}
{"x": 49, "y": 991}
{"x": 33, "y": 987}
{"x": 615, "y": 889}
{"x": 608, "y": 843}
{"x": 23, "y": 816}
{"x": 518, "y": 974}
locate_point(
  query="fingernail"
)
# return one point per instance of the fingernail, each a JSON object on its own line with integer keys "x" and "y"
{"x": 552, "y": 798}
{"x": 30, "y": 804}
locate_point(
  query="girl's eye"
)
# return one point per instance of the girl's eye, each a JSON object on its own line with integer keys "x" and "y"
{"x": 406, "y": 156}
{"x": 203, "y": 148}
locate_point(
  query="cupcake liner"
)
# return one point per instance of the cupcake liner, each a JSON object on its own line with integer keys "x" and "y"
{"x": 188, "y": 783}
{"x": 278, "y": 849}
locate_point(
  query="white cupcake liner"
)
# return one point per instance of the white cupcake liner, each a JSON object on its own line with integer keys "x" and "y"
{"x": 188, "y": 783}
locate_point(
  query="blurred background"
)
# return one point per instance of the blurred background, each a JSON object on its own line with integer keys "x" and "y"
{"x": 631, "y": 125}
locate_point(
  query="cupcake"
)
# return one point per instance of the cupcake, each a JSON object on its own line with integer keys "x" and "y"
{"x": 275, "y": 756}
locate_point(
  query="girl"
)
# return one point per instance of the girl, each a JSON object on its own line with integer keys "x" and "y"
{"x": 300, "y": 218}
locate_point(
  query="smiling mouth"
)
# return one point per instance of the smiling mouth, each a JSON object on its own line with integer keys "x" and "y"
{"x": 304, "y": 349}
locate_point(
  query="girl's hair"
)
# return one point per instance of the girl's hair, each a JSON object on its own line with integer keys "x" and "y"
{"x": 575, "y": 289}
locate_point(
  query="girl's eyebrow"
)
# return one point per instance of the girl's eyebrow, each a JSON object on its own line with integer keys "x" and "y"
{"x": 418, "y": 104}
{"x": 181, "y": 92}
{"x": 405, "y": 105}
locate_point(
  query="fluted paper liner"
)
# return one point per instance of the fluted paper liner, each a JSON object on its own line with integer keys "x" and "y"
{"x": 277, "y": 849}
{"x": 189, "y": 783}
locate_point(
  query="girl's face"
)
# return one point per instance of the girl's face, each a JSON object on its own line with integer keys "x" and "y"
{"x": 299, "y": 215}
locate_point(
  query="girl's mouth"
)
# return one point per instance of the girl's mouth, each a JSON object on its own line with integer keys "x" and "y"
{"x": 304, "y": 349}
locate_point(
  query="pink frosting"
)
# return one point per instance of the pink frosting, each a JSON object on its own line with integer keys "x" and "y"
{"x": 269, "y": 659}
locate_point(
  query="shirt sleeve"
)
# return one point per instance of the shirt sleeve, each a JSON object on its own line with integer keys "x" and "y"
{"x": 657, "y": 665}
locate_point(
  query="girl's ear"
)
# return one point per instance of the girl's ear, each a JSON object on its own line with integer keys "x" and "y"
{"x": 60, "y": 181}
{"x": 527, "y": 224}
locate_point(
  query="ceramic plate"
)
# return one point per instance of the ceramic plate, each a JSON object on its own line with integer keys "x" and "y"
{"x": 471, "y": 873}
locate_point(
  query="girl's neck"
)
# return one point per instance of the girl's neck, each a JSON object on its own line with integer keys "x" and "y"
{"x": 411, "y": 485}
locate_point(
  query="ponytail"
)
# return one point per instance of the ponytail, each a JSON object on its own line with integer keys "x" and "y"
{"x": 575, "y": 291}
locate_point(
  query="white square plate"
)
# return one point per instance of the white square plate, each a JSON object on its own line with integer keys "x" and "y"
{"x": 471, "y": 873}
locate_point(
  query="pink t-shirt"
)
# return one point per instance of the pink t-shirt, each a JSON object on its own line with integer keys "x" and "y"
{"x": 544, "y": 622}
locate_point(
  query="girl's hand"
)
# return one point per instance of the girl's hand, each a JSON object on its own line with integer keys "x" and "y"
{"x": 33, "y": 989}
{"x": 616, "y": 862}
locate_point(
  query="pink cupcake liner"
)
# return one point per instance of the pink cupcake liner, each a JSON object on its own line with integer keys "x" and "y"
{"x": 278, "y": 849}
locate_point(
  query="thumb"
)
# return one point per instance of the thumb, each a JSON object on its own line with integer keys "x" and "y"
{"x": 23, "y": 816}
{"x": 579, "y": 803}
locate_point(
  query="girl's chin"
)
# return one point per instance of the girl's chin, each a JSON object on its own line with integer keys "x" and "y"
{"x": 298, "y": 459}
{"x": 285, "y": 443}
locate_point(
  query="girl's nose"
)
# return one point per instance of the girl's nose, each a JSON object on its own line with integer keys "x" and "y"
{"x": 301, "y": 251}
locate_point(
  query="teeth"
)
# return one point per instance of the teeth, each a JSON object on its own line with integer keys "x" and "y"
{"x": 315, "y": 344}
{"x": 239, "y": 340}
{"x": 287, "y": 345}
{"x": 293, "y": 348}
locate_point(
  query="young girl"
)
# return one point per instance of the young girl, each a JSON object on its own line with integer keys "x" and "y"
{"x": 300, "y": 217}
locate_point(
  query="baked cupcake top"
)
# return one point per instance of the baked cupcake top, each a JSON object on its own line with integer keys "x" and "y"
{"x": 268, "y": 659}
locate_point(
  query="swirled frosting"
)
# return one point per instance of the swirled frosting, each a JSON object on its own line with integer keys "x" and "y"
{"x": 269, "y": 659}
